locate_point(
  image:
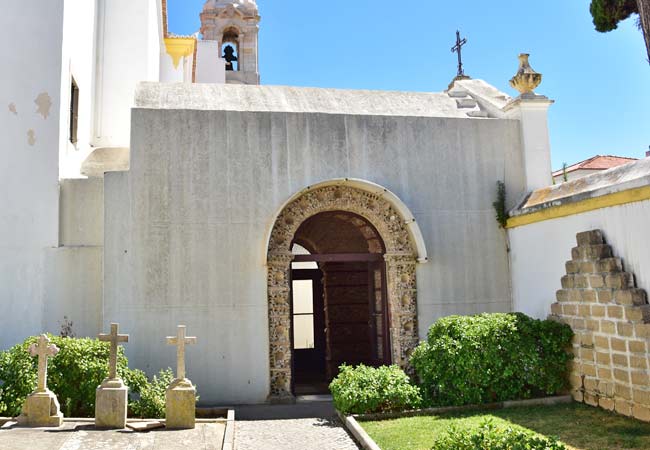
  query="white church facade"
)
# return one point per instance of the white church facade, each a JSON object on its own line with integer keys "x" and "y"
{"x": 151, "y": 180}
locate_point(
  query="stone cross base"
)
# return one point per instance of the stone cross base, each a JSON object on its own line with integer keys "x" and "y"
{"x": 41, "y": 409}
{"x": 110, "y": 404}
{"x": 180, "y": 405}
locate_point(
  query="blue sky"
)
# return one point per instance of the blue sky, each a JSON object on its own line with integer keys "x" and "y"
{"x": 601, "y": 82}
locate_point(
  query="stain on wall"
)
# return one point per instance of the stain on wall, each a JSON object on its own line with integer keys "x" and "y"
{"x": 44, "y": 103}
{"x": 31, "y": 137}
{"x": 12, "y": 109}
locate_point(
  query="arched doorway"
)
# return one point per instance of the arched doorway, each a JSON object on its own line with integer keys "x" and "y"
{"x": 373, "y": 220}
{"x": 338, "y": 297}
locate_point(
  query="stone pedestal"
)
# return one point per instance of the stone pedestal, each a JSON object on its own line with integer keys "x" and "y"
{"x": 110, "y": 404}
{"x": 180, "y": 405}
{"x": 41, "y": 409}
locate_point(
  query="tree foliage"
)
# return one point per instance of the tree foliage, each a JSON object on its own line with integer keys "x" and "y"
{"x": 608, "y": 13}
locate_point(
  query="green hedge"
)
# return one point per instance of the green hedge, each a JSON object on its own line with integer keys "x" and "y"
{"x": 492, "y": 357}
{"x": 363, "y": 390}
{"x": 73, "y": 375}
{"x": 490, "y": 437}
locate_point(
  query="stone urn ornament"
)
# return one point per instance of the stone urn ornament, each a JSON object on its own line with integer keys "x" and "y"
{"x": 526, "y": 80}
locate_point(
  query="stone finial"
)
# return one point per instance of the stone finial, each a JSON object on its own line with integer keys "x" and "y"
{"x": 526, "y": 80}
{"x": 180, "y": 340}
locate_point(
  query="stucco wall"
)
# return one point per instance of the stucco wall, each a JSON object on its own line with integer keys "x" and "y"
{"x": 29, "y": 199}
{"x": 186, "y": 227}
{"x": 540, "y": 250}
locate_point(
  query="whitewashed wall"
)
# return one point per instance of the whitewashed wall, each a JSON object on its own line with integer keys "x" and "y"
{"x": 29, "y": 172}
{"x": 185, "y": 228}
{"x": 540, "y": 250}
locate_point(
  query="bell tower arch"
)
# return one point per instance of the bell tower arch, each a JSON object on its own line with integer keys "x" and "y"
{"x": 234, "y": 24}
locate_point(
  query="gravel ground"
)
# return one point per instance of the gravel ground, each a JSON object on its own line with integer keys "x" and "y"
{"x": 292, "y": 434}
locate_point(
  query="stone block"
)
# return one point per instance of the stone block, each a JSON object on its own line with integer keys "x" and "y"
{"x": 641, "y": 330}
{"x": 622, "y": 391}
{"x": 596, "y": 281}
{"x": 589, "y": 296}
{"x": 609, "y": 265}
{"x": 569, "y": 310}
{"x": 41, "y": 409}
{"x": 641, "y": 397}
{"x": 601, "y": 342}
{"x": 585, "y": 354}
{"x": 637, "y": 314}
{"x": 575, "y": 381}
{"x": 588, "y": 369}
{"x": 618, "y": 345}
{"x": 604, "y": 374}
{"x": 575, "y": 295}
{"x": 556, "y": 309}
{"x": 590, "y": 384}
{"x": 607, "y": 326}
{"x": 637, "y": 346}
{"x": 584, "y": 310}
{"x": 587, "y": 267}
{"x": 606, "y": 388}
{"x": 625, "y": 329}
{"x": 605, "y": 296}
{"x": 578, "y": 395}
{"x": 592, "y": 252}
{"x": 590, "y": 237}
{"x": 180, "y": 405}
{"x": 591, "y": 399}
{"x": 641, "y": 413}
{"x": 572, "y": 267}
{"x": 603, "y": 358}
{"x": 562, "y": 295}
{"x": 592, "y": 325}
{"x": 620, "y": 280}
{"x": 628, "y": 297}
{"x": 598, "y": 311}
{"x": 623, "y": 407}
{"x": 606, "y": 403}
{"x": 568, "y": 282}
{"x": 111, "y": 399}
{"x": 620, "y": 360}
{"x": 586, "y": 339}
{"x": 578, "y": 324}
{"x": 581, "y": 281}
{"x": 640, "y": 378}
{"x": 614, "y": 312}
{"x": 622, "y": 375}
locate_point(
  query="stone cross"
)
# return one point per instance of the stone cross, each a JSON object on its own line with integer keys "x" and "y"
{"x": 44, "y": 350}
{"x": 179, "y": 341}
{"x": 458, "y": 48}
{"x": 114, "y": 338}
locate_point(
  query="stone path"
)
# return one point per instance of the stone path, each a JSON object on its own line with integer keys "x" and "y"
{"x": 293, "y": 427}
{"x": 83, "y": 436}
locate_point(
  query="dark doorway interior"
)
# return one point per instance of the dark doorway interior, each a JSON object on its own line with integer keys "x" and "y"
{"x": 339, "y": 312}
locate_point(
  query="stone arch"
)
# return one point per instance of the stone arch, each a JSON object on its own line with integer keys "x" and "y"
{"x": 404, "y": 247}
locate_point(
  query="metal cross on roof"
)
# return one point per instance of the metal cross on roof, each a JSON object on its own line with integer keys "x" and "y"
{"x": 458, "y": 48}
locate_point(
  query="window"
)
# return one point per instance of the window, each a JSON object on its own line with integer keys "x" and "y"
{"x": 303, "y": 314}
{"x": 74, "y": 111}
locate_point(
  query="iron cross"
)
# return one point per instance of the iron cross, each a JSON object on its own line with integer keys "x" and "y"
{"x": 458, "y": 48}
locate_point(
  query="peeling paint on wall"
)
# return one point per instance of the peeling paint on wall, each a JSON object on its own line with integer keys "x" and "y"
{"x": 44, "y": 103}
{"x": 31, "y": 137}
{"x": 12, "y": 109}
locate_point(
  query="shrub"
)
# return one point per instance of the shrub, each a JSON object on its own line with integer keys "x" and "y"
{"x": 492, "y": 357}
{"x": 363, "y": 390}
{"x": 73, "y": 375}
{"x": 151, "y": 404}
{"x": 490, "y": 437}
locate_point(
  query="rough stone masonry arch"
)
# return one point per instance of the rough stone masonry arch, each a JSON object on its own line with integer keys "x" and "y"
{"x": 404, "y": 247}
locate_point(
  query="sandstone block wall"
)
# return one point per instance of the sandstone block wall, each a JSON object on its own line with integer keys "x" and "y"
{"x": 611, "y": 321}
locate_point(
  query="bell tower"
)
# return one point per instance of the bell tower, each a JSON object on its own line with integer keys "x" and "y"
{"x": 234, "y": 24}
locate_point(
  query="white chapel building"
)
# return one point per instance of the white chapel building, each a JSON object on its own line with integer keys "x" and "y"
{"x": 152, "y": 180}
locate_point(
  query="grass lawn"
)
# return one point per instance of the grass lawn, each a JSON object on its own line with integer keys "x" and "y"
{"x": 578, "y": 426}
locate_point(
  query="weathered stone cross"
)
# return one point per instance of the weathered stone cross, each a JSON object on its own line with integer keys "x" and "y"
{"x": 179, "y": 341}
{"x": 114, "y": 338}
{"x": 44, "y": 350}
{"x": 458, "y": 48}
